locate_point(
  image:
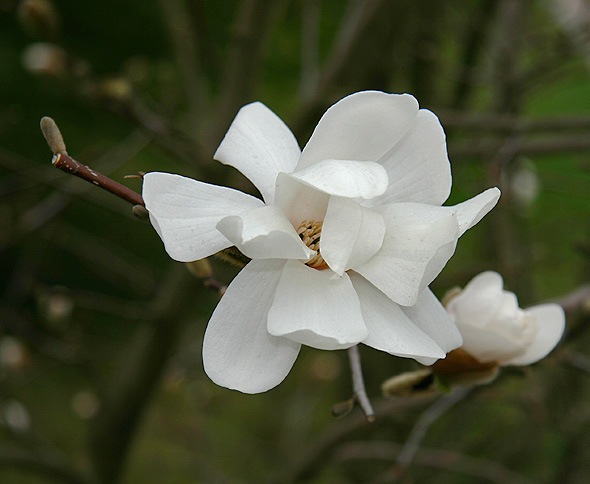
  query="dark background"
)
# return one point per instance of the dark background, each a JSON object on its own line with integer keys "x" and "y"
{"x": 101, "y": 377}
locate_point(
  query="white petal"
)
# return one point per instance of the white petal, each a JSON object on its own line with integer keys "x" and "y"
{"x": 300, "y": 202}
{"x": 473, "y": 210}
{"x": 351, "y": 234}
{"x": 550, "y": 320}
{"x": 362, "y": 126}
{"x": 487, "y": 346}
{"x": 316, "y": 308}
{"x": 345, "y": 178}
{"x": 432, "y": 318}
{"x": 260, "y": 145}
{"x": 238, "y": 351}
{"x": 418, "y": 166}
{"x": 184, "y": 212}
{"x": 479, "y": 301}
{"x": 264, "y": 233}
{"x": 414, "y": 235}
{"x": 390, "y": 330}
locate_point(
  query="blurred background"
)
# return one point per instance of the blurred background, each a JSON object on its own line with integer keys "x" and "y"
{"x": 101, "y": 379}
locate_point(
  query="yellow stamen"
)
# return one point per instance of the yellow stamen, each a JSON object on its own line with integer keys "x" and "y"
{"x": 310, "y": 232}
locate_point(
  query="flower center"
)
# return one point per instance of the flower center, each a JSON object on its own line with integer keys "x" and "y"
{"x": 310, "y": 232}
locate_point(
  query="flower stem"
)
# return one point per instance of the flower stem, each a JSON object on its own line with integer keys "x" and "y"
{"x": 358, "y": 383}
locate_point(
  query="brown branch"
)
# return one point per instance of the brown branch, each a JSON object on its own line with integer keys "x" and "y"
{"x": 353, "y": 27}
{"x": 508, "y": 122}
{"x": 306, "y": 464}
{"x": 186, "y": 52}
{"x": 532, "y": 147}
{"x": 249, "y": 34}
{"x": 438, "y": 458}
{"x": 142, "y": 363}
{"x": 67, "y": 164}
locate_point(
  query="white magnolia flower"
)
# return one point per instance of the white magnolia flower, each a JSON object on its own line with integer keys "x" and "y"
{"x": 495, "y": 329}
{"x": 343, "y": 247}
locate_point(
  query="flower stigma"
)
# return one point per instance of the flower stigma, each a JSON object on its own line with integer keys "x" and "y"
{"x": 309, "y": 233}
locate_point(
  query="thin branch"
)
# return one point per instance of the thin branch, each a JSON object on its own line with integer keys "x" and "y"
{"x": 44, "y": 465}
{"x": 249, "y": 34}
{"x": 310, "y": 43}
{"x": 115, "y": 264}
{"x": 426, "y": 420}
{"x": 570, "y": 144}
{"x": 577, "y": 360}
{"x": 507, "y": 122}
{"x": 66, "y": 163}
{"x": 69, "y": 165}
{"x": 438, "y": 458}
{"x": 307, "y": 464}
{"x": 358, "y": 383}
{"x": 186, "y": 52}
{"x": 353, "y": 26}
{"x": 142, "y": 364}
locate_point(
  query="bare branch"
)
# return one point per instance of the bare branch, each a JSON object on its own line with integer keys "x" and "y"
{"x": 429, "y": 417}
{"x": 438, "y": 458}
{"x": 69, "y": 165}
{"x": 41, "y": 464}
{"x": 358, "y": 383}
{"x": 186, "y": 52}
{"x": 142, "y": 363}
{"x": 249, "y": 35}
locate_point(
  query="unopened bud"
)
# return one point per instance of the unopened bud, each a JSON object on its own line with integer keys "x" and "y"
{"x": 39, "y": 19}
{"x": 200, "y": 268}
{"x": 409, "y": 384}
{"x": 45, "y": 59}
{"x": 140, "y": 212}
{"x": 341, "y": 409}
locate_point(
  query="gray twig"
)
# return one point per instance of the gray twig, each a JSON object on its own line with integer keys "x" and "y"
{"x": 358, "y": 383}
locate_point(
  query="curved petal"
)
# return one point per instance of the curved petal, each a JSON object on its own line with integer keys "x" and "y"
{"x": 345, "y": 178}
{"x": 264, "y": 233}
{"x": 489, "y": 346}
{"x": 390, "y": 330}
{"x": 351, "y": 234}
{"x": 362, "y": 126}
{"x": 300, "y": 202}
{"x": 473, "y": 210}
{"x": 432, "y": 318}
{"x": 550, "y": 320}
{"x": 184, "y": 212}
{"x": 479, "y": 301}
{"x": 316, "y": 308}
{"x": 238, "y": 351}
{"x": 260, "y": 145}
{"x": 414, "y": 235}
{"x": 418, "y": 166}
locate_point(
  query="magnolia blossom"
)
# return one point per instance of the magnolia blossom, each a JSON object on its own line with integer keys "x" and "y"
{"x": 495, "y": 329}
{"x": 344, "y": 243}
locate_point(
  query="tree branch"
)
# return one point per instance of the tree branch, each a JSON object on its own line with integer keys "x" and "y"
{"x": 114, "y": 427}
{"x": 42, "y": 464}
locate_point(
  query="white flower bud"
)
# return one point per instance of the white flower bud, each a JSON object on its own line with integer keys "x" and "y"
{"x": 496, "y": 329}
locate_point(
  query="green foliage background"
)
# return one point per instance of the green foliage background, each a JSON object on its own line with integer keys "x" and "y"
{"x": 490, "y": 69}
